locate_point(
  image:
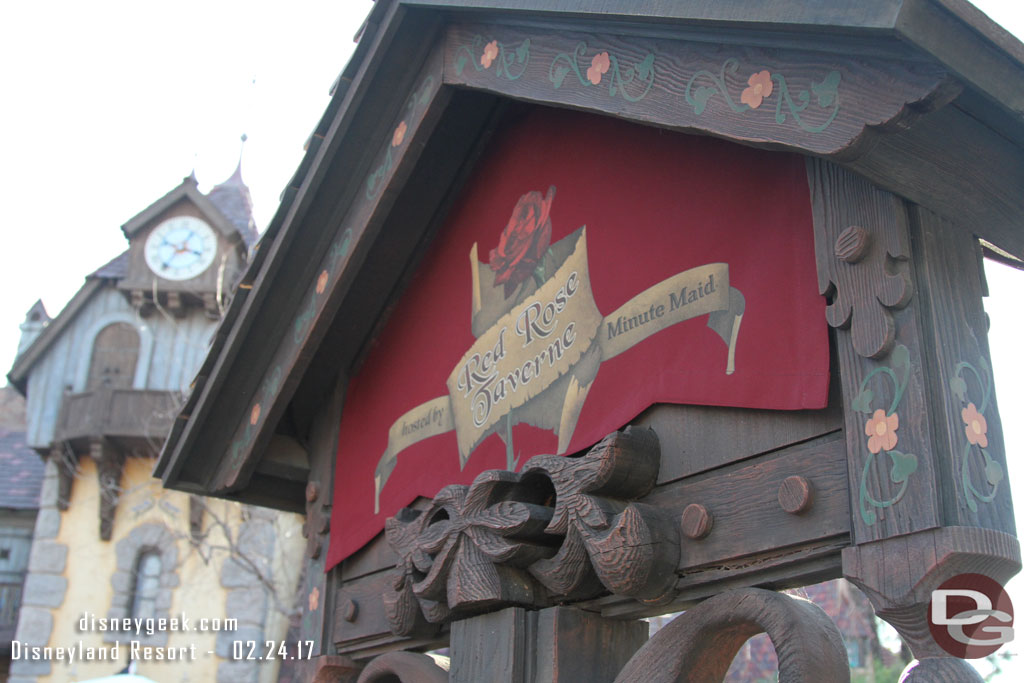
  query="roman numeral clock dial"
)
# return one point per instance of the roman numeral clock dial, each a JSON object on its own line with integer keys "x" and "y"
{"x": 180, "y": 248}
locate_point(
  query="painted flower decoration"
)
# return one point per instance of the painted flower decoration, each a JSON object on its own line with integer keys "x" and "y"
{"x": 881, "y": 431}
{"x": 254, "y": 415}
{"x": 399, "y": 134}
{"x": 321, "y": 282}
{"x": 760, "y": 87}
{"x": 598, "y": 67}
{"x": 524, "y": 240}
{"x": 314, "y": 598}
{"x": 490, "y": 53}
{"x": 976, "y": 426}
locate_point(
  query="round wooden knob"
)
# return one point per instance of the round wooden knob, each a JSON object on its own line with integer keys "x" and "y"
{"x": 312, "y": 491}
{"x": 350, "y": 610}
{"x": 795, "y": 495}
{"x": 852, "y": 244}
{"x": 697, "y": 521}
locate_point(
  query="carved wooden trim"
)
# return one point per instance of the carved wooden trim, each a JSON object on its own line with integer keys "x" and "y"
{"x": 700, "y": 644}
{"x": 562, "y": 529}
{"x": 403, "y": 667}
{"x": 940, "y": 670}
{"x": 806, "y": 100}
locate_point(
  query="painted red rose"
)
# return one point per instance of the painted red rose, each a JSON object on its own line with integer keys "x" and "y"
{"x": 524, "y": 240}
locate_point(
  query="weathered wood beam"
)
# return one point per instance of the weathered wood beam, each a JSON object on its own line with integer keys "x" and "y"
{"x": 335, "y": 253}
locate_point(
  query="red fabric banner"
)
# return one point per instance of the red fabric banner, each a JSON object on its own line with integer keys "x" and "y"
{"x": 590, "y": 269}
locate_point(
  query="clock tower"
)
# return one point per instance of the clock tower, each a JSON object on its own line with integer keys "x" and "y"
{"x": 187, "y": 249}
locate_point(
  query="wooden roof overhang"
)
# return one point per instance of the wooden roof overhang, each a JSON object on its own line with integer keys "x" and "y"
{"x": 925, "y": 86}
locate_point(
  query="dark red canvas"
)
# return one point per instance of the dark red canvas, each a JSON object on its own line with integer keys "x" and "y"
{"x": 583, "y": 227}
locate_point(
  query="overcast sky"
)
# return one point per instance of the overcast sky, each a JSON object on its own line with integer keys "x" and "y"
{"x": 106, "y": 106}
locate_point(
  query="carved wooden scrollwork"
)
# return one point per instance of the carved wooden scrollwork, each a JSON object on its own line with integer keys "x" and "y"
{"x": 699, "y": 645}
{"x": 404, "y": 667}
{"x": 563, "y": 528}
{"x": 862, "y": 263}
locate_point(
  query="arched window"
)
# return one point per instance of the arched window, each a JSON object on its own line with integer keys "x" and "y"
{"x": 147, "y": 584}
{"x": 115, "y": 353}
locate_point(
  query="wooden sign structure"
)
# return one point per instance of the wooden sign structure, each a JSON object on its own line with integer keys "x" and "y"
{"x": 909, "y": 118}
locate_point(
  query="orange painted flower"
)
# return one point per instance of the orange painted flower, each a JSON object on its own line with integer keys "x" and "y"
{"x": 321, "y": 283}
{"x": 490, "y": 52}
{"x": 314, "y": 599}
{"x": 760, "y": 88}
{"x": 598, "y": 66}
{"x": 881, "y": 431}
{"x": 254, "y": 416}
{"x": 399, "y": 134}
{"x": 976, "y": 426}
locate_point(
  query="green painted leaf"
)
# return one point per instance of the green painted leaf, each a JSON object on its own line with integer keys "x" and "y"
{"x": 559, "y": 76}
{"x": 959, "y": 387}
{"x": 700, "y": 98}
{"x": 460, "y": 64}
{"x": 993, "y": 472}
{"x": 827, "y": 90}
{"x": 862, "y": 403}
{"x": 523, "y": 51}
{"x": 903, "y": 465}
{"x": 900, "y": 356}
{"x": 983, "y": 362}
{"x": 646, "y": 68}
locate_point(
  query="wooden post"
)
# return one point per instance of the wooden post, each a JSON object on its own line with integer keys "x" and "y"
{"x": 926, "y": 461}
{"x": 558, "y": 644}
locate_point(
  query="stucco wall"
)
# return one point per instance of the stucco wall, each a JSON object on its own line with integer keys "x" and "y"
{"x": 81, "y": 577}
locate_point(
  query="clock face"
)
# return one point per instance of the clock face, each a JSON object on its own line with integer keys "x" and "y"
{"x": 180, "y": 248}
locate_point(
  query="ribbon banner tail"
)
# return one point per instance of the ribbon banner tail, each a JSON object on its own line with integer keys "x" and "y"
{"x": 727, "y": 324}
{"x": 422, "y": 422}
{"x": 703, "y": 290}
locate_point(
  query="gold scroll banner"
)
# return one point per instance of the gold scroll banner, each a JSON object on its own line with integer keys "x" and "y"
{"x": 536, "y": 363}
{"x": 537, "y": 342}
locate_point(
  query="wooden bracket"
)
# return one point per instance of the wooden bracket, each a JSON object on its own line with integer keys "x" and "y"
{"x": 67, "y": 468}
{"x": 899, "y": 574}
{"x": 109, "y": 466}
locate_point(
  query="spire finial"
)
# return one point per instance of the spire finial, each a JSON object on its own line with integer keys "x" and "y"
{"x": 237, "y": 175}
